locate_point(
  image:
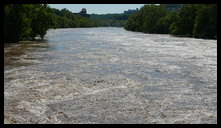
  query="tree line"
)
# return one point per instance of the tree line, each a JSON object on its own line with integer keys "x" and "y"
{"x": 27, "y": 21}
{"x": 114, "y": 20}
{"x": 191, "y": 20}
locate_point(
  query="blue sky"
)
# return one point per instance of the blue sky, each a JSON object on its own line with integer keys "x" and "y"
{"x": 97, "y": 8}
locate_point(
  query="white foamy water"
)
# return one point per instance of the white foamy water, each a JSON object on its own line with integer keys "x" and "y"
{"x": 110, "y": 75}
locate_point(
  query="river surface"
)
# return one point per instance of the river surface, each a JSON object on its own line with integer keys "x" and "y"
{"x": 110, "y": 75}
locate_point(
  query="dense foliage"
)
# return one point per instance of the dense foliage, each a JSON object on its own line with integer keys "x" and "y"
{"x": 114, "y": 20}
{"x": 27, "y": 21}
{"x": 66, "y": 19}
{"x": 196, "y": 20}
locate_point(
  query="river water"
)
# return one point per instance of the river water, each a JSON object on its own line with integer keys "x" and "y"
{"x": 110, "y": 75}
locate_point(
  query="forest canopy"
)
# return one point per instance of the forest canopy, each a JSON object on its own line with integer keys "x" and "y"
{"x": 191, "y": 20}
{"x": 28, "y": 21}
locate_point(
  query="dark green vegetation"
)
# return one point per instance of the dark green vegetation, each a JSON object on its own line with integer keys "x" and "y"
{"x": 66, "y": 19}
{"x": 26, "y": 21}
{"x": 196, "y": 20}
{"x": 115, "y": 20}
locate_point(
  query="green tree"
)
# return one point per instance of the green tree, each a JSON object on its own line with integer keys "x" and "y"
{"x": 185, "y": 21}
{"x": 133, "y": 23}
{"x": 151, "y": 15}
{"x": 196, "y": 20}
{"x": 41, "y": 22}
{"x": 206, "y": 22}
{"x": 16, "y": 23}
{"x": 149, "y": 19}
{"x": 164, "y": 23}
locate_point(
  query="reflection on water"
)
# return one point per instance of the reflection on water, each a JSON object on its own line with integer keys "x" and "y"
{"x": 109, "y": 75}
{"x": 16, "y": 55}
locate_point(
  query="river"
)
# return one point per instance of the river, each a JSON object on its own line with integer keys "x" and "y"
{"x": 110, "y": 75}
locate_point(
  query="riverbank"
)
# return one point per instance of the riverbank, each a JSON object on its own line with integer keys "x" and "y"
{"x": 191, "y": 20}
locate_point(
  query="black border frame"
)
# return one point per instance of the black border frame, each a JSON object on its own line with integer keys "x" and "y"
{"x": 119, "y": 2}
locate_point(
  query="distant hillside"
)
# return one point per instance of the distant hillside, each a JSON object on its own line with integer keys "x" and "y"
{"x": 116, "y": 20}
{"x": 173, "y": 7}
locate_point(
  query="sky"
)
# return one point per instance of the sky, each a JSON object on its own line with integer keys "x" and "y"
{"x": 97, "y": 8}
